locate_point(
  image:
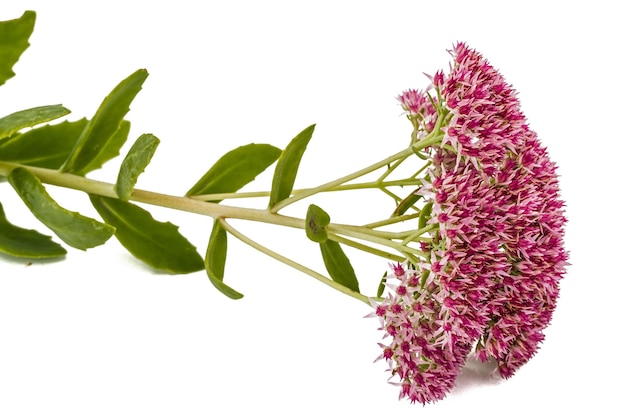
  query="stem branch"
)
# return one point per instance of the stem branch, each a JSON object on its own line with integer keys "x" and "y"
{"x": 321, "y": 278}
{"x": 332, "y": 184}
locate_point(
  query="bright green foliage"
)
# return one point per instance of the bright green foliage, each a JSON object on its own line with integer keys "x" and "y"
{"x": 338, "y": 265}
{"x": 14, "y": 36}
{"x": 315, "y": 224}
{"x": 158, "y": 244}
{"x": 236, "y": 169}
{"x": 134, "y": 163}
{"x": 47, "y": 146}
{"x": 287, "y": 166}
{"x": 26, "y": 243}
{"x": 336, "y": 262}
{"x": 425, "y": 215}
{"x": 215, "y": 260}
{"x": 73, "y": 228}
{"x": 111, "y": 150}
{"x": 105, "y": 133}
{"x": 28, "y": 118}
{"x": 406, "y": 204}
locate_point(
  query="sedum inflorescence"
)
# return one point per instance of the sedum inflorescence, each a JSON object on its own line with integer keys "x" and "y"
{"x": 491, "y": 277}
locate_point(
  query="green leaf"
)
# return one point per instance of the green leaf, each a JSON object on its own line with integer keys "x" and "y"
{"x": 215, "y": 260}
{"x": 315, "y": 224}
{"x": 112, "y": 149}
{"x": 424, "y": 215}
{"x": 287, "y": 166}
{"x": 338, "y": 265}
{"x": 26, "y": 243}
{"x": 406, "y": 204}
{"x": 28, "y": 118}
{"x": 158, "y": 244}
{"x": 236, "y": 169}
{"x": 381, "y": 286}
{"x": 134, "y": 163}
{"x": 14, "y": 36}
{"x": 73, "y": 228}
{"x": 101, "y": 133}
{"x": 47, "y": 146}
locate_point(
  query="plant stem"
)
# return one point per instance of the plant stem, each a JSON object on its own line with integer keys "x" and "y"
{"x": 321, "y": 278}
{"x": 332, "y": 184}
{"x": 362, "y": 234}
{"x": 365, "y": 248}
{"x": 214, "y": 210}
{"x": 105, "y": 189}
{"x": 344, "y": 187}
{"x": 392, "y": 220}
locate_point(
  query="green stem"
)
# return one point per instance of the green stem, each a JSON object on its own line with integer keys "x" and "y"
{"x": 392, "y": 220}
{"x": 214, "y": 210}
{"x": 364, "y": 234}
{"x": 378, "y": 233}
{"x": 415, "y": 234}
{"x": 419, "y": 171}
{"x": 187, "y": 204}
{"x": 321, "y": 278}
{"x": 392, "y": 168}
{"x": 429, "y": 140}
{"x": 393, "y": 196}
{"x": 365, "y": 248}
{"x": 332, "y": 184}
{"x": 344, "y": 187}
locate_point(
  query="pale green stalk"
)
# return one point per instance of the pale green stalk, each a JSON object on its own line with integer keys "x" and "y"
{"x": 332, "y": 184}
{"x": 344, "y": 187}
{"x": 321, "y": 278}
{"x": 392, "y": 220}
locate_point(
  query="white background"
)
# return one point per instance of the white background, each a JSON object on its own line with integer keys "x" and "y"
{"x": 100, "y": 334}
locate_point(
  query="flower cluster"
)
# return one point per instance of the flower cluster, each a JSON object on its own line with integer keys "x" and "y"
{"x": 491, "y": 281}
{"x": 419, "y": 109}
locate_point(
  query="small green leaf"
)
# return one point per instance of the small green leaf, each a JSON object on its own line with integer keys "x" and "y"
{"x": 236, "y": 169}
{"x": 14, "y": 36}
{"x": 158, "y": 244}
{"x": 47, "y": 146}
{"x": 424, "y": 278}
{"x": 424, "y": 215}
{"x": 134, "y": 163}
{"x": 101, "y": 133}
{"x": 315, "y": 224}
{"x": 73, "y": 228}
{"x": 381, "y": 286}
{"x": 215, "y": 260}
{"x": 406, "y": 204}
{"x": 338, "y": 265}
{"x": 287, "y": 166}
{"x": 26, "y": 243}
{"x": 17, "y": 121}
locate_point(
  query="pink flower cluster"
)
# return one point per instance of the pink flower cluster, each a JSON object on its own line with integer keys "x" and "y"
{"x": 419, "y": 110}
{"x": 496, "y": 257}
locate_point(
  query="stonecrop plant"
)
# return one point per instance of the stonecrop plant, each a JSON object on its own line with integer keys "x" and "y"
{"x": 473, "y": 250}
